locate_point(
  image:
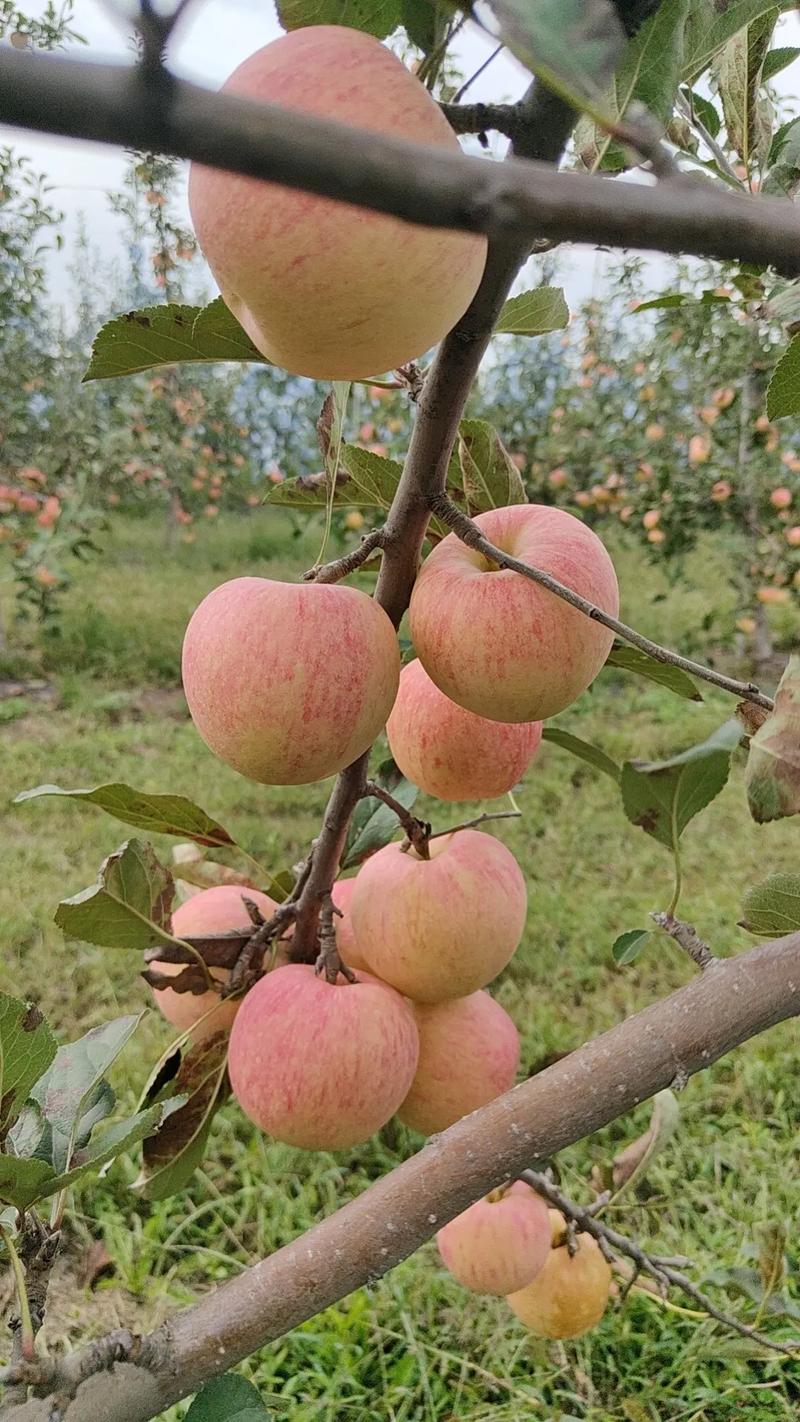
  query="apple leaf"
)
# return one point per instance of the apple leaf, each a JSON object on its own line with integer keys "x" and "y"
{"x": 772, "y": 776}
{"x": 73, "y": 1095}
{"x": 738, "y": 74}
{"x": 128, "y": 907}
{"x": 373, "y": 17}
{"x": 170, "y": 1158}
{"x": 155, "y": 814}
{"x": 629, "y": 945}
{"x": 374, "y": 824}
{"x": 632, "y": 1163}
{"x": 489, "y": 477}
{"x": 573, "y": 46}
{"x": 673, "y": 678}
{"x": 773, "y": 906}
{"x": 776, "y": 60}
{"x": 783, "y": 392}
{"x": 364, "y": 480}
{"x": 167, "y": 335}
{"x": 22, "y": 1181}
{"x": 27, "y": 1047}
{"x": 710, "y": 24}
{"x": 534, "y": 313}
{"x": 583, "y": 750}
{"x": 230, "y": 1398}
{"x": 661, "y": 797}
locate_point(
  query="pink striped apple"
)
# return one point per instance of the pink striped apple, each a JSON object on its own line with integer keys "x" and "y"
{"x": 216, "y": 910}
{"x": 452, "y": 753}
{"x": 441, "y": 927}
{"x": 500, "y": 1243}
{"x": 324, "y": 288}
{"x": 499, "y": 644}
{"x": 468, "y": 1055}
{"x": 321, "y": 1065}
{"x": 289, "y": 682}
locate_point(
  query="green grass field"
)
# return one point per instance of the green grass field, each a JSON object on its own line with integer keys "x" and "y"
{"x": 414, "y": 1347}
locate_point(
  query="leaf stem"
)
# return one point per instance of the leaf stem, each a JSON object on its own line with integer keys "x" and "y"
{"x": 26, "y": 1322}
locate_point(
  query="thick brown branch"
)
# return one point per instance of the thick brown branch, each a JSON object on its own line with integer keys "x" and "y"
{"x": 681, "y": 1035}
{"x": 663, "y": 1271}
{"x": 507, "y": 201}
{"x": 469, "y": 533}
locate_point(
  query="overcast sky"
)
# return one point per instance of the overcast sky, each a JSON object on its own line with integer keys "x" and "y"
{"x": 213, "y": 39}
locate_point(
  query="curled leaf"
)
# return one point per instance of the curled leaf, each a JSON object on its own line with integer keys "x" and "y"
{"x": 773, "y": 766}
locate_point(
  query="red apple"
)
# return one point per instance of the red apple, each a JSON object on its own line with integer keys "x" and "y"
{"x": 441, "y": 927}
{"x": 321, "y": 1065}
{"x": 289, "y": 682}
{"x": 468, "y": 1055}
{"x": 500, "y": 1243}
{"x": 497, "y": 643}
{"x": 324, "y": 288}
{"x": 452, "y": 753}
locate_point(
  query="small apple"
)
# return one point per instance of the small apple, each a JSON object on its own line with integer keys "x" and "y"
{"x": 468, "y": 1055}
{"x": 500, "y": 1243}
{"x": 569, "y": 1295}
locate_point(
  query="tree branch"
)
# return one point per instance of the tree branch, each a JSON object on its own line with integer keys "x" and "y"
{"x": 508, "y": 201}
{"x": 681, "y": 1035}
{"x": 417, "y": 833}
{"x": 687, "y": 938}
{"x": 663, "y": 1271}
{"x": 348, "y": 563}
{"x": 467, "y": 530}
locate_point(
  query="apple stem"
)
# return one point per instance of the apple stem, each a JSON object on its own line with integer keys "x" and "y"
{"x": 329, "y": 962}
{"x": 481, "y": 819}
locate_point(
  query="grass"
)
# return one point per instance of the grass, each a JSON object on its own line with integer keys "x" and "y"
{"x": 414, "y": 1347}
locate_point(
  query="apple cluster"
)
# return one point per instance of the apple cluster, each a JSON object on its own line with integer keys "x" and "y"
{"x": 290, "y": 683}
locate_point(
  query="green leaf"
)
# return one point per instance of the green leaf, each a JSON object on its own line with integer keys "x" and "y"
{"x": 22, "y": 1181}
{"x": 170, "y": 1158}
{"x": 167, "y": 335}
{"x": 629, "y": 945}
{"x": 632, "y": 1163}
{"x": 681, "y": 298}
{"x": 707, "y": 112}
{"x": 533, "y": 313}
{"x": 364, "y": 481}
{"x": 116, "y": 1141}
{"x": 374, "y": 824}
{"x": 783, "y": 392}
{"x": 227, "y": 1399}
{"x": 374, "y": 17}
{"x": 711, "y": 24}
{"x": 583, "y": 750}
{"x": 776, "y": 60}
{"x": 573, "y": 46}
{"x": 662, "y": 673}
{"x": 128, "y": 907}
{"x": 772, "y": 907}
{"x": 489, "y": 477}
{"x": 27, "y": 1047}
{"x": 155, "y": 814}
{"x": 425, "y": 21}
{"x": 73, "y": 1095}
{"x": 772, "y": 776}
{"x": 738, "y": 71}
{"x": 663, "y": 796}
{"x": 28, "y": 1130}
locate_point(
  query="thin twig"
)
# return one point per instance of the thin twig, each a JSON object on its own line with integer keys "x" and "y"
{"x": 686, "y": 936}
{"x": 469, "y": 533}
{"x": 687, "y": 111}
{"x": 641, "y": 132}
{"x": 656, "y": 1267}
{"x": 23, "y": 1324}
{"x": 481, "y": 118}
{"x": 478, "y": 820}
{"x": 417, "y": 831}
{"x": 247, "y": 968}
{"x": 341, "y": 567}
{"x": 468, "y": 83}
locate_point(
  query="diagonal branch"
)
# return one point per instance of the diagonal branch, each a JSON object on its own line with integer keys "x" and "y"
{"x": 683, "y": 1034}
{"x": 468, "y": 531}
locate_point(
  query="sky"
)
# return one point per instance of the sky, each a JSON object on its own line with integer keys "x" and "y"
{"x": 213, "y": 38}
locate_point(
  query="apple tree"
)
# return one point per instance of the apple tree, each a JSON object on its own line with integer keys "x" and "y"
{"x": 350, "y": 238}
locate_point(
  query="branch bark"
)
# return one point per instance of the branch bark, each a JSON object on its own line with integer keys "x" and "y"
{"x": 154, "y": 112}
{"x": 676, "y": 1037}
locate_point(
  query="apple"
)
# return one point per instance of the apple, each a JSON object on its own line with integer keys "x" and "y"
{"x": 217, "y": 910}
{"x": 497, "y": 643}
{"x": 439, "y": 928}
{"x": 468, "y": 1055}
{"x": 289, "y": 682}
{"x": 792, "y": 536}
{"x": 452, "y": 753}
{"x": 345, "y": 937}
{"x": 321, "y": 1065}
{"x": 781, "y": 498}
{"x": 322, "y": 287}
{"x": 721, "y": 491}
{"x": 569, "y": 1295}
{"x": 500, "y": 1243}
